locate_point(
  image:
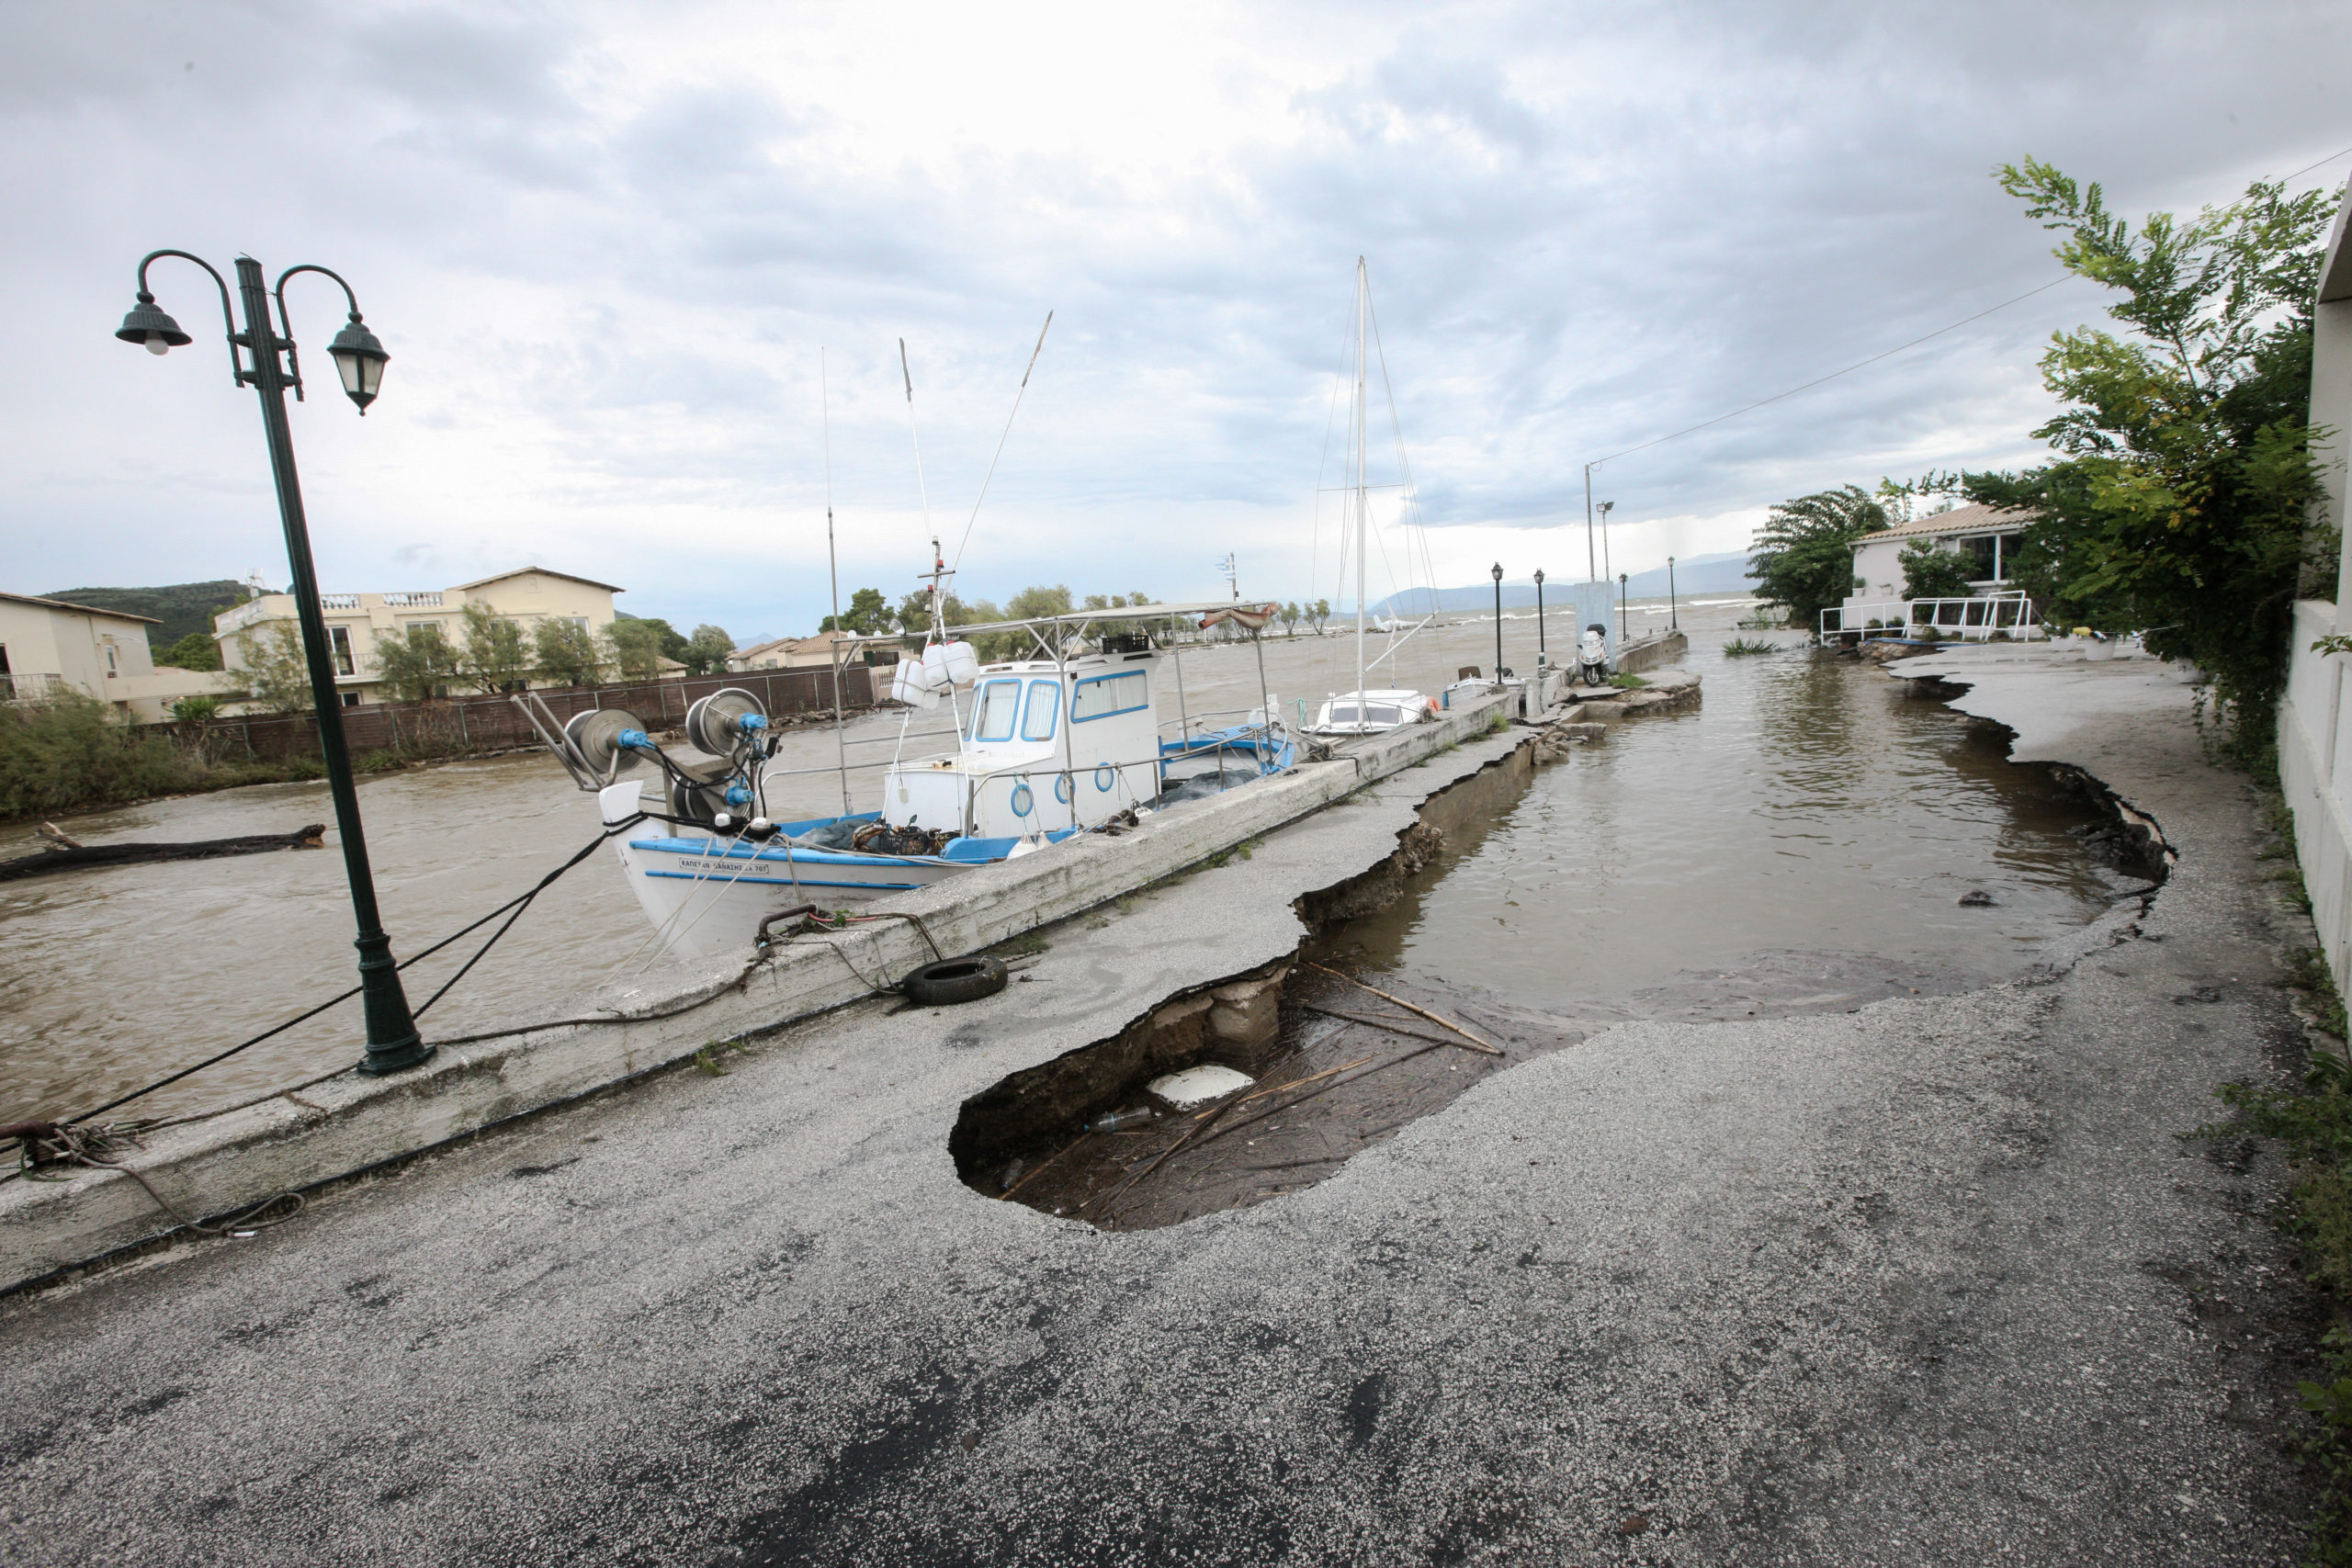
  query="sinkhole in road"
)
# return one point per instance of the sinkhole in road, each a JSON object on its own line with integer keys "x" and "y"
{"x": 1491, "y": 935}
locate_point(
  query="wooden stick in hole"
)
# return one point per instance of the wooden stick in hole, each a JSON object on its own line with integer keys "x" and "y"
{"x": 1438, "y": 1018}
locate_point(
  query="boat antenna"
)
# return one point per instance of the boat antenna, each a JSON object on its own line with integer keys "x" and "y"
{"x": 833, "y": 570}
{"x": 1000, "y": 439}
{"x": 921, "y": 488}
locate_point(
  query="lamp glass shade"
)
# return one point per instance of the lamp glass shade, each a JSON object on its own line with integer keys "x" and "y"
{"x": 1499, "y": 571}
{"x": 146, "y": 324}
{"x": 360, "y": 359}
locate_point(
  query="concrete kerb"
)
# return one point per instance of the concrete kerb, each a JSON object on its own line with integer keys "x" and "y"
{"x": 224, "y": 1164}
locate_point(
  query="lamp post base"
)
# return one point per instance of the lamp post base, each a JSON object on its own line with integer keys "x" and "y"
{"x": 399, "y": 1057}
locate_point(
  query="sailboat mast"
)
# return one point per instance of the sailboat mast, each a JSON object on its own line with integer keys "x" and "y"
{"x": 1363, "y": 288}
{"x": 833, "y": 573}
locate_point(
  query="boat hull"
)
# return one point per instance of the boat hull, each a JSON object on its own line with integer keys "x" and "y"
{"x": 707, "y": 895}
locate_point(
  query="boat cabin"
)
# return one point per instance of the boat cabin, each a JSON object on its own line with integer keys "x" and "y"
{"x": 1369, "y": 713}
{"x": 1043, "y": 745}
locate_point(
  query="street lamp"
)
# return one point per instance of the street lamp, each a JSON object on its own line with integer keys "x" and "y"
{"x": 1604, "y": 510}
{"x": 1542, "y": 655}
{"x": 393, "y": 1042}
{"x": 1621, "y": 633}
{"x": 1499, "y": 623}
{"x": 1673, "y": 616}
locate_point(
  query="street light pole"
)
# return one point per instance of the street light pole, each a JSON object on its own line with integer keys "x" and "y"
{"x": 1621, "y": 633}
{"x": 1673, "y": 616}
{"x": 1499, "y": 623}
{"x": 1604, "y": 509}
{"x": 1543, "y": 654}
{"x": 393, "y": 1042}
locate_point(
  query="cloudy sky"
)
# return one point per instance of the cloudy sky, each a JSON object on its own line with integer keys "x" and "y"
{"x": 605, "y": 246}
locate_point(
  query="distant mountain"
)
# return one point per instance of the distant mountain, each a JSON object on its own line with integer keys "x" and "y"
{"x": 1724, "y": 572}
{"x": 182, "y": 607}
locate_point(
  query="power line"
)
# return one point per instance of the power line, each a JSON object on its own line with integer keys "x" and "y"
{"x": 1888, "y": 353}
{"x": 1849, "y": 369}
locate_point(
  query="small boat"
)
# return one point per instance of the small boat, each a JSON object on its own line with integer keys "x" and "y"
{"x": 1371, "y": 713}
{"x": 1046, "y": 748}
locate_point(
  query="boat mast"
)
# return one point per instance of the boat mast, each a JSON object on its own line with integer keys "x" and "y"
{"x": 1364, "y": 291}
{"x": 833, "y": 570}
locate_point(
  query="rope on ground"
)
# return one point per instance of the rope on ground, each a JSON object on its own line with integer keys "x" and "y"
{"x": 40, "y": 1143}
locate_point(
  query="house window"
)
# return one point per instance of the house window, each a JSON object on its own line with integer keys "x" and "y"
{"x": 419, "y": 630}
{"x": 1100, "y": 696}
{"x": 110, "y": 671}
{"x": 339, "y": 640}
{"x": 1045, "y": 710}
{"x": 350, "y": 699}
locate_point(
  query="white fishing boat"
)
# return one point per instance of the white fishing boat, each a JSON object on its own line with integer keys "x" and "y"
{"x": 1068, "y": 742}
{"x": 1367, "y": 710}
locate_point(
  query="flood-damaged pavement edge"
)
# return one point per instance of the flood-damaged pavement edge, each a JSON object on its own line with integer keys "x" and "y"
{"x": 1935, "y": 1281}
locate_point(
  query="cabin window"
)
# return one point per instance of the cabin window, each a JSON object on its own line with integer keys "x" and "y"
{"x": 1100, "y": 696}
{"x": 1346, "y": 713}
{"x": 992, "y": 716}
{"x": 1045, "y": 710}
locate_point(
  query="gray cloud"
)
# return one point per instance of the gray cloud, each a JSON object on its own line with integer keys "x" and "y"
{"x": 604, "y": 255}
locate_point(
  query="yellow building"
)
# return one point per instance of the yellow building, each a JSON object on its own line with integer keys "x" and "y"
{"x": 527, "y": 597}
{"x": 807, "y": 653}
{"x": 47, "y": 646}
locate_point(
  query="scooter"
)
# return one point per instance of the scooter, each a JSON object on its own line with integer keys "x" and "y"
{"x": 1592, "y": 656}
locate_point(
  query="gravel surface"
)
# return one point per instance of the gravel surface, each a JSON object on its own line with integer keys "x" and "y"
{"x": 1935, "y": 1281}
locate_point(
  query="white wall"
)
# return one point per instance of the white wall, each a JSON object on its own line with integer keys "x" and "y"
{"x": 2314, "y": 771}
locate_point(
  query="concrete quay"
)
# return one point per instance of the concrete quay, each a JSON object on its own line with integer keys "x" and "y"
{"x": 1936, "y": 1282}
{"x": 224, "y": 1163}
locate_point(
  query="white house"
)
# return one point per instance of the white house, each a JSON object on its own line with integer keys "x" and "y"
{"x": 527, "y": 596}
{"x": 1987, "y": 535}
{"x": 47, "y": 646}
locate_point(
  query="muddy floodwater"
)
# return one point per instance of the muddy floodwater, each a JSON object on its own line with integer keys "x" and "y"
{"x": 1807, "y": 808}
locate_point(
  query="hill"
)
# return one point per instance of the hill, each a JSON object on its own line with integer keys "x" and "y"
{"x": 1724, "y": 572}
{"x": 182, "y": 607}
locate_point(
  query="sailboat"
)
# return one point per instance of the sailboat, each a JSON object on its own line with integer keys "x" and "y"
{"x": 1367, "y": 710}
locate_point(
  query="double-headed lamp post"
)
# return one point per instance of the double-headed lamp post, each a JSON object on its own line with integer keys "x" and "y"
{"x": 1499, "y": 623}
{"x": 392, "y": 1039}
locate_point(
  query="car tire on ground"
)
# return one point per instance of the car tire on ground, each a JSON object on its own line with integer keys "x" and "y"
{"x": 955, "y": 980}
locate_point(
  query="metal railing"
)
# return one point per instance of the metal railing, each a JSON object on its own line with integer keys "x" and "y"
{"x": 1975, "y": 618}
{"x": 31, "y": 688}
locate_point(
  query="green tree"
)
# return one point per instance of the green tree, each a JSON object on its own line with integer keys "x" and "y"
{"x": 566, "y": 653}
{"x": 1931, "y": 571}
{"x": 1290, "y": 614}
{"x": 416, "y": 662}
{"x": 634, "y": 647}
{"x": 2178, "y": 502}
{"x": 1319, "y": 614}
{"x": 197, "y": 709}
{"x": 194, "y": 652}
{"x": 1804, "y": 553}
{"x": 276, "y": 674}
{"x": 707, "y": 650}
{"x": 913, "y": 613}
{"x": 494, "y": 657}
{"x": 868, "y": 614}
{"x": 1041, "y": 600}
